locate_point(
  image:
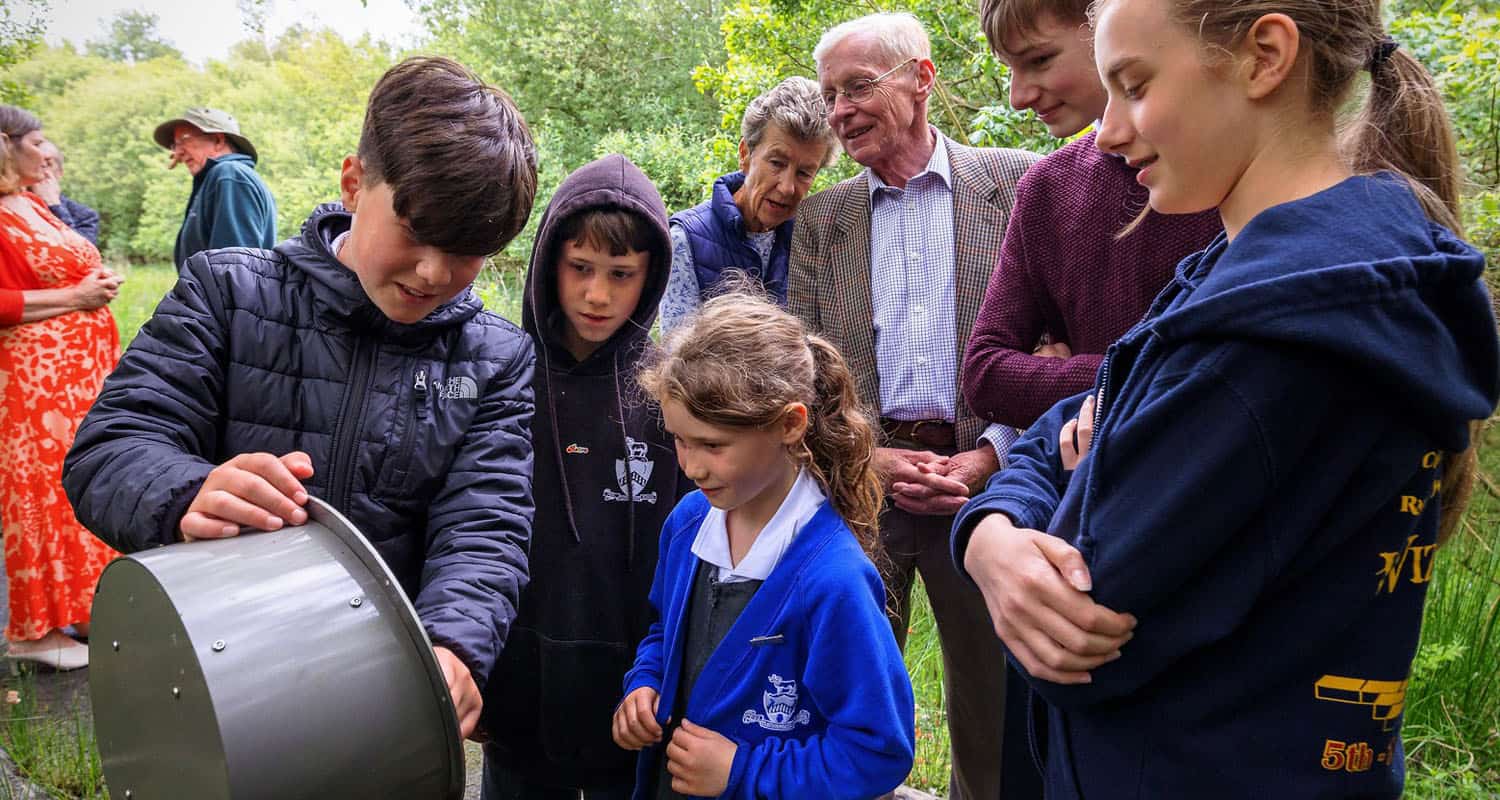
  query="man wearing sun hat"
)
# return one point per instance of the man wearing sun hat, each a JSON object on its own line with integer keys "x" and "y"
{"x": 230, "y": 205}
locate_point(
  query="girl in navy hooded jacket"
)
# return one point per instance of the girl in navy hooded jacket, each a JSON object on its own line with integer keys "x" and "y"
{"x": 772, "y": 671}
{"x": 1215, "y": 571}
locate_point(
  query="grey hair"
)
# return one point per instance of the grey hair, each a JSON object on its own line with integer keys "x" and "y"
{"x": 898, "y": 35}
{"x": 795, "y": 104}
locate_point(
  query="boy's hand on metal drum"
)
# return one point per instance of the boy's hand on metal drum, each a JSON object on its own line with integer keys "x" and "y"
{"x": 251, "y": 490}
{"x": 635, "y": 725}
{"x": 467, "y": 701}
{"x": 699, "y": 761}
{"x": 1036, "y": 589}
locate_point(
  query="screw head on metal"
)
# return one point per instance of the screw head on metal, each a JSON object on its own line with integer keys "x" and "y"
{"x": 218, "y": 645}
{"x": 129, "y": 794}
{"x": 356, "y": 602}
{"x": 115, "y": 645}
{"x": 176, "y": 692}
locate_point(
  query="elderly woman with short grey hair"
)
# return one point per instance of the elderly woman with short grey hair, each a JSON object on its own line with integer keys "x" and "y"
{"x": 746, "y": 225}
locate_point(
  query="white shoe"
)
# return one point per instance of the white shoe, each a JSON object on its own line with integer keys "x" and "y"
{"x": 56, "y": 650}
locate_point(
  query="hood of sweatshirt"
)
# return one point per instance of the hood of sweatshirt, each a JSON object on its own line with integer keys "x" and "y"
{"x": 1357, "y": 305}
{"x": 588, "y": 399}
{"x": 608, "y": 182}
{"x": 337, "y": 290}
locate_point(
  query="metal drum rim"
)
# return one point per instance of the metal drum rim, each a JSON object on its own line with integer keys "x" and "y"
{"x": 329, "y": 517}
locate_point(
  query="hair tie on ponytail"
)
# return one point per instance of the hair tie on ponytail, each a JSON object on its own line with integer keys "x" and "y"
{"x": 1381, "y": 53}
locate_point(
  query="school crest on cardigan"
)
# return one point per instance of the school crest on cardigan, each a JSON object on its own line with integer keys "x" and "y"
{"x": 781, "y": 707}
{"x": 632, "y": 473}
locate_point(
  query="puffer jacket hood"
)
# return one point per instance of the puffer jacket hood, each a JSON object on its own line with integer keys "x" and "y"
{"x": 337, "y": 292}
{"x": 609, "y": 182}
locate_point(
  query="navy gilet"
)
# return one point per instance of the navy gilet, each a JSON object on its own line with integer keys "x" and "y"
{"x": 716, "y": 235}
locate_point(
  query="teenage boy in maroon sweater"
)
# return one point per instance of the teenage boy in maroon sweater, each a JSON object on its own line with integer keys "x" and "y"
{"x": 1064, "y": 270}
{"x": 1065, "y": 275}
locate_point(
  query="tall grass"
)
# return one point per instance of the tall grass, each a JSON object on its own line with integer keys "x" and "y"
{"x": 1452, "y": 722}
{"x": 55, "y": 751}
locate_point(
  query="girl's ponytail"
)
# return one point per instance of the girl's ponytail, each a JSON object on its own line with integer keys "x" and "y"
{"x": 840, "y": 445}
{"x": 1458, "y": 484}
{"x": 1404, "y": 128}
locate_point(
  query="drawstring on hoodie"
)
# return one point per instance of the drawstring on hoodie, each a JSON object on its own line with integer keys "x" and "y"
{"x": 557, "y": 453}
{"x": 629, "y": 476}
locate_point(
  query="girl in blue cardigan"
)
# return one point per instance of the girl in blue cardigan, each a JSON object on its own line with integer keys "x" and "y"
{"x": 772, "y": 671}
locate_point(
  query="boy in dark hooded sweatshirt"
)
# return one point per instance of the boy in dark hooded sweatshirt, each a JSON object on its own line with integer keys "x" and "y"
{"x": 606, "y": 479}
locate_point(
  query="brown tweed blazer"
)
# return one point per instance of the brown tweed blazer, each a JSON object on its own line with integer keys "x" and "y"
{"x": 828, "y": 285}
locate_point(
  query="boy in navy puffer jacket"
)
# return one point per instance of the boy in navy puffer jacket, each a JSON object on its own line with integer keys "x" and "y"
{"x": 354, "y": 363}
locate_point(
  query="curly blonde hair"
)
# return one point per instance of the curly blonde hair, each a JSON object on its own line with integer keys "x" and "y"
{"x": 738, "y": 364}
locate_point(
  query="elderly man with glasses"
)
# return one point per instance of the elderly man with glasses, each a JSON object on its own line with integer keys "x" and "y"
{"x": 891, "y": 265}
{"x": 230, "y": 205}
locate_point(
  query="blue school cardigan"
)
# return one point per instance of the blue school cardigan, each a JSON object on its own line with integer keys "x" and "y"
{"x": 808, "y": 682}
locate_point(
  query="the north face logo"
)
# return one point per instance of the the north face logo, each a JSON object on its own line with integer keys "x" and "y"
{"x": 459, "y": 387}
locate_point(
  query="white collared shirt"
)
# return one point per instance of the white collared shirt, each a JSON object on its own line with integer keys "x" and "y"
{"x": 712, "y": 544}
{"x": 911, "y": 289}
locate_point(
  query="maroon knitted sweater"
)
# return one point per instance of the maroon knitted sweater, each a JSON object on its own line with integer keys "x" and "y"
{"x": 1063, "y": 272}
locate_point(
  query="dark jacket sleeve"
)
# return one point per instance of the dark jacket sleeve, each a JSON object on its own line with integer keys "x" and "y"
{"x": 79, "y": 217}
{"x": 1002, "y": 381}
{"x": 1031, "y": 485}
{"x": 237, "y": 215}
{"x": 151, "y": 437}
{"x": 1166, "y": 493}
{"x": 479, "y": 525}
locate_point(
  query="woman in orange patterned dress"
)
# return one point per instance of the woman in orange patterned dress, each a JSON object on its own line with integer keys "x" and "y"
{"x": 57, "y": 343}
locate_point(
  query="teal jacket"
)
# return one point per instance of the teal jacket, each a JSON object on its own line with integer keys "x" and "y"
{"x": 230, "y": 207}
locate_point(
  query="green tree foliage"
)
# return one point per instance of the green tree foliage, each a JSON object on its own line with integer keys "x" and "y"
{"x": 1460, "y": 44}
{"x": 303, "y": 109}
{"x": 767, "y": 40}
{"x": 132, "y": 37}
{"x": 19, "y": 38}
{"x": 583, "y": 68}
{"x": 587, "y": 72}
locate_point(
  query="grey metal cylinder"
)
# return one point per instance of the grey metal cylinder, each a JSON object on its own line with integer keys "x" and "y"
{"x": 278, "y": 665}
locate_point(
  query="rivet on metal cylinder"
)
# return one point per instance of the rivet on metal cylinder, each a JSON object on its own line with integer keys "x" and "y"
{"x": 356, "y": 602}
{"x": 218, "y": 645}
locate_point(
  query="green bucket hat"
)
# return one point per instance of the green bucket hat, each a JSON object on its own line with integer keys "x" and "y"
{"x": 208, "y": 120}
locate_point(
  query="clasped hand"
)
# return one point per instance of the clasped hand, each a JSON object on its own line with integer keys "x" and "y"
{"x": 923, "y": 482}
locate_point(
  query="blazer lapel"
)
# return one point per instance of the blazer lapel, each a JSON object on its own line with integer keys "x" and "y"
{"x": 845, "y": 298}
{"x": 979, "y": 219}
